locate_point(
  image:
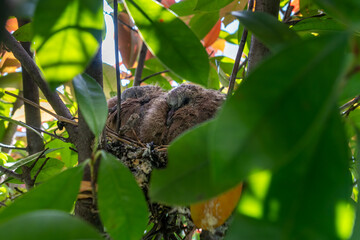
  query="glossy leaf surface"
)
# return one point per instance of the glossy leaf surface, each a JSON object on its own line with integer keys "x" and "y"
{"x": 171, "y": 40}
{"x": 244, "y": 140}
{"x": 122, "y": 204}
{"x": 58, "y": 193}
{"x": 66, "y": 36}
{"x": 46, "y": 224}
{"x": 92, "y": 102}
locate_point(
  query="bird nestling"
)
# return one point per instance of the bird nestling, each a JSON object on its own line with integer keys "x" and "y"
{"x": 162, "y": 116}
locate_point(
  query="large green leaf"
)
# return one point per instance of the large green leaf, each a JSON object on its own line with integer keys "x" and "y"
{"x": 184, "y": 8}
{"x": 122, "y": 204}
{"x": 66, "y": 36}
{"x": 213, "y": 5}
{"x": 58, "y": 193}
{"x": 48, "y": 224}
{"x": 171, "y": 40}
{"x": 308, "y": 198}
{"x": 317, "y": 24}
{"x": 202, "y": 23}
{"x": 276, "y": 111}
{"x": 266, "y": 28}
{"x": 187, "y": 177}
{"x": 345, "y": 10}
{"x": 271, "y": 117}
{"x": 92, "y": 102}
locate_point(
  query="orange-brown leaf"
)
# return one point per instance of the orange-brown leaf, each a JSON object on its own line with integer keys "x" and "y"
{"x": 213, "y": 35}
{"x": 11, "y": 24}
{"x": 296, "y": 5}
{"x": 214, "y": 212}
{"x": 129, "y": 40}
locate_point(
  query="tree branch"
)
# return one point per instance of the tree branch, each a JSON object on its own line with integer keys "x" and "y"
{"x": 140, "y": 65}
{"x": 258, "y": 50}
{"x": 28, "y": 63}
{"x": 10, "y": 173}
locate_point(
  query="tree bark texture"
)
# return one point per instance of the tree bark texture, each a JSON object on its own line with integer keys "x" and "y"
{"x": 258, "y": 50}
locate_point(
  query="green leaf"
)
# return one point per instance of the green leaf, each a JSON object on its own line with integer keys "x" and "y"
{"x": 317, "y": 24}
{"x": 156, "y": 80}
{"x": 346, "y": 11}
{"x": 213, "y": 5}
{"x": 66, "y": 35}
{"x": 109, "y": 78}
{"x": 92, "y": 102}
{"x": 316, "y": 183}
{"x": 267, "y": 28}
{"x": 52, "y": 167}
{"x": 184, "y": 8}
{"x": 58, "y": 193}
{"x": 291, "y": 105}
{"x": 68, "y": 156}
{"x": 202, "y": 23}
{"x": 122, "y": 204}
{"x": 47, "y": 224}
{"x": 308, "y": 8}
{"x": 171, "y": 40}
{"x": 187, "y": 177}
{"x": 23, "y": 161}
{"x": 11, "y": 80}
{"x": 24, "y": 33}
{"x": 23, "y": 125}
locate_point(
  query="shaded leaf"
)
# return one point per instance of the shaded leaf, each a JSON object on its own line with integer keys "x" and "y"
{"x": 170, "y": 39}
{"x": 184, "y": 8}
{"x": 11, "y": 80}
{"x": 109, "y": 78}
{"x": 345, "y": 10}
{"x": 266, "y": 28}
{"x": 66, "y": 36}
{"x": 156, "y": 80}
{"x": 47, "y": 224}
{"x": 24, "y": 33}
{"x": 52, "y": 167}
{"x": 244, "y": 140}
{"x": 187, "y": 177}
{"x": 58, "y": 193}
{"x": 202, "y": 23}
{"x": 318, "y": 24}
{"x": 316, "y": 183}
{"x": 122, "y": 204}
{"x": 92, "y": 102}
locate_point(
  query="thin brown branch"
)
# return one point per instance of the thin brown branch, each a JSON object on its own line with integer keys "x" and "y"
{"x": 238, "y": 56}
{"x": 10, "y": 173}
{"x": 39, "y": 170}
{"x": 118, "y": 81}
{"x": 11, "y": 147}
{"x": 37, "y": 159}
{"x": 127, "y": 25}
{"x": 52, "y": 135}
{"x": 153, "y": 75}
{"x": 60, "y": 118}
{"x": 140, "y": 66}
{"x": 28, "y": 63}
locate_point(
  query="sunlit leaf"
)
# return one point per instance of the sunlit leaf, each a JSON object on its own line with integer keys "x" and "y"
{"x": 214, "y": 5}
{"x": 92, "y": 102}
{"x": 58, "y": 193}
{"x": 109, "y": 80}
{"x": 46, "y": 224}
{"x": 122, "y": 204}
{"x": 66, "y": 36}
{"x": 24, "y": 33}
{"x": 170, "y": 39}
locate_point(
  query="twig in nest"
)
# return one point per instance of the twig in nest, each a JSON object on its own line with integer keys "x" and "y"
{"x": 60, "y": 118}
